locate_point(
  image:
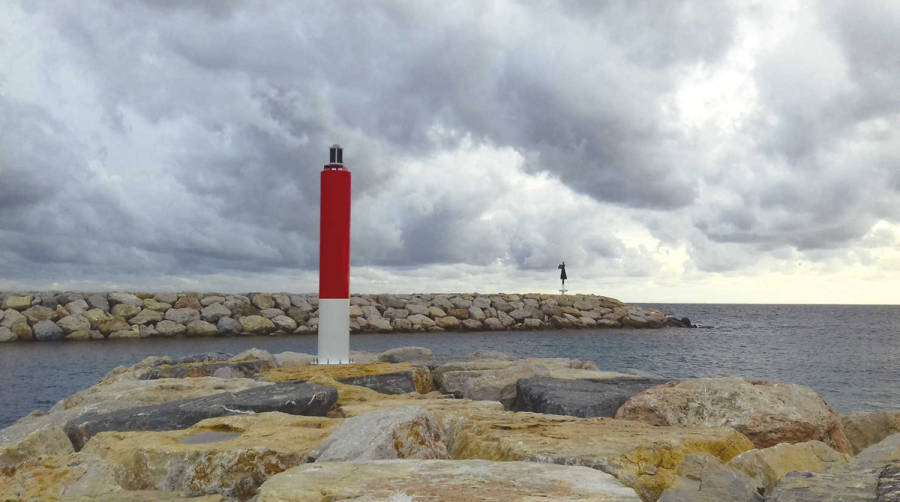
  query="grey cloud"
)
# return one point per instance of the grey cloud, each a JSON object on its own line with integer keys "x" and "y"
{"x": 240, "y": 99}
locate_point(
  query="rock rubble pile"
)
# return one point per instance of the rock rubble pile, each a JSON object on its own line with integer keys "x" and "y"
{"x": 409, "y": 425}
{"x": 96, "y": 316}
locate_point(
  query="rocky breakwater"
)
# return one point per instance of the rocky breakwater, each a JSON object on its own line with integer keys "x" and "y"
{"x": 411, "y": 425}
{"x": 97, "y": 316}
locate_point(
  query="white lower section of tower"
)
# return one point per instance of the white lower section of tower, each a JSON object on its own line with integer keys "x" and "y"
{"x": 334, "y": 331}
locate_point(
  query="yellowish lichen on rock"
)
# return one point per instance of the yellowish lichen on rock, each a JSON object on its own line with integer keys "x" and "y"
{"x": 335, "y": 371}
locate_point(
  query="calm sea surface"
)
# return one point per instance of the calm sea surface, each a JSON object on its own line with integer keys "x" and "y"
{"x": 848, "y": 354}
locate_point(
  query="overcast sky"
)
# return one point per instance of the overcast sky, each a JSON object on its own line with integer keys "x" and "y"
{"x": 670, "y": 150}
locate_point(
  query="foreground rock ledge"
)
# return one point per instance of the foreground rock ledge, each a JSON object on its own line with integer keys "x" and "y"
{"x": 461, "y": 480}
{"x": 452, "y": 415}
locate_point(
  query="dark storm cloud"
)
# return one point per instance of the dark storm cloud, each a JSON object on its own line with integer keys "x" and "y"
{"x": 186, "y": 138}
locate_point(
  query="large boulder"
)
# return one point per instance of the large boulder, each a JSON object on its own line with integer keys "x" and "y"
{"x": 146, "y": 316}
{"x": 125, "y": 310}
{"x": 766, "y": 412}
{"x": 703, "y": 478}
{"x": 17, "y": 302}
{"x": 230, "y": 455}
{"x": 871, "y": 476}
{"x": 215, "y": 311}
{"x": 289, "y": 397}
{"x": 767, "y": 466}
{"x": 183, "y": 315}
{"x": 44, "y": 442}
{"x": 201, "y": 328}
{"x": 125, "y": 298}
{"x": 470, "y": 480}
{"x": 867, "y": 428}
{"x": 170, "y": 328}
{"x": 98, "y": 301}
{"x": 228, "y": 326}
{"x": 47, "y": 330}
{"x": 402, "y": 354}
{"x": 256, "y": 325}
{"x": 72, "y": 323}
{"x": 6, "y": 335}
{"x": 405, "y": 432}
{"x": 580, "y": 398}
{"x": 40, "y": 313}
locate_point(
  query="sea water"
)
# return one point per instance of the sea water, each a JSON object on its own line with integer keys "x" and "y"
{"x": 850, "y": 355}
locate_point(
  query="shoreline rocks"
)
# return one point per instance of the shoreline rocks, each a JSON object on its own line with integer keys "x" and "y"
{"x": 117, "y": 315}
{"x": 408, "y": 424}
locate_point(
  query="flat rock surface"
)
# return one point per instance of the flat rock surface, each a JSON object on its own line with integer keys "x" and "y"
{"x": 229, "y": 455}
{"x": 867, "y": 428}
{"x": 289, "y": 397}
{"x": 766, "y": 412}
{"x": 769, "y": 465}
{"x": 443, "y": 480}
{"x": 580, "y": 398}
{"x": 383, "y": 377}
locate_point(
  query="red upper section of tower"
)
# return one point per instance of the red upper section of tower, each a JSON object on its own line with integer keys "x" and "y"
{"x": 334, "y": 233}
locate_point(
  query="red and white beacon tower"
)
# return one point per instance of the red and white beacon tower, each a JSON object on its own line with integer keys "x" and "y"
{"x": 334, "y": 262}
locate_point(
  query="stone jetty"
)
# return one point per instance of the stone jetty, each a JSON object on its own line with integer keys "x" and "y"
{"x": 409, "y": 425}
{"x": 47, "y": 316}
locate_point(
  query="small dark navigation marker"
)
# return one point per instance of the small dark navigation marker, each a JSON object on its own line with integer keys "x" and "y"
{"x": 562, "y": 276}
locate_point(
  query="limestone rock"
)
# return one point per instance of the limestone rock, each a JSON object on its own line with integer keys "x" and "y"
{"x": 130, "y": 332}
{"x": 493, "y": 323}
{"x": 125, "y": 298}
{"x": 114, "y": 324}
{"x": 442, "y": 480}
{"x": 436, "y": 312}
{"x": 6, "y": 335}
{"x": 293, "y": 359}
{"x": 255, "y": 354}
{"x": 201, "y": 328}
{"x": 98, "y": 301}
{"x": 72, "y": 323}
{"x": 182, "y": 315}
{"x": 642, "y": 456}
{"x": 187, "y": 302}
{"x": 447, "y": 322}
{"x": 703, "y": 478}
{"x": 125, "y": 310}
{"x": 230, "y": 455}
{"x": 867, "y": 428}
{"x": 211, "y": 299}
{"x": 47, "y": 330}
{"x": 767, "y": 412}
{"x": 96, "y": 317}
{"x": 262, "y": 300}
{"x": 22, "y": 331}
{"x": 580, "y": 398}
{"x": 39, "y": 313}
{"x": 155, "y": 305}
{"x": 289, "y": 397}
{"x": 75, "y": 478}
{"x": 11, "y": 317}
{"x": 146, "y": 316}
{"x": 213, "y": 312}
{"x": 872, "y": 476}
{"x": 487, "y": 380}
{"x": 420, "y": 321}
{"x": 170, "y": 328}
{"x": 228, "y": 326}
{"x": 256, "y": 325}
{"x": 44, "y": 442}
{"x": 402, "y": 354}
{"x": 769, "y": 465}
{"x": 284, "y": 323}
{"x": 271, "y": 313}
{"x": 166, "y": 297}
{"x": 405, "y": 432}
{"x": 17, "y": 302}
